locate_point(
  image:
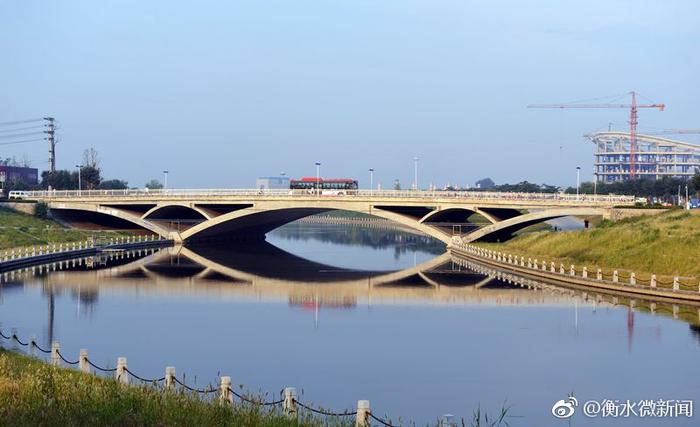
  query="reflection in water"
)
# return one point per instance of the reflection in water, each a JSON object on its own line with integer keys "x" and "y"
{"x": 361, "y": 236}
{"x": 456, "y": 332}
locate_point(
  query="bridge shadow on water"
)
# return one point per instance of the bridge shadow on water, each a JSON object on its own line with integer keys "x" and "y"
{"x": 263, "y": 269}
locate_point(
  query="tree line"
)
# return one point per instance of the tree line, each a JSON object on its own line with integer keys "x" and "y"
{"x": 88, "y": 176}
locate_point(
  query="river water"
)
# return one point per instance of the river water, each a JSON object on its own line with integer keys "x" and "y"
{"x": 345, "y": 313}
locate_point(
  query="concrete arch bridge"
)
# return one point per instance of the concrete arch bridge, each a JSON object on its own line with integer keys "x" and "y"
{"x": 200, "y": 215}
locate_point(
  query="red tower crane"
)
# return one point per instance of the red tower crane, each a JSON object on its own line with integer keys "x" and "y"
{"x": 633, "y": 121}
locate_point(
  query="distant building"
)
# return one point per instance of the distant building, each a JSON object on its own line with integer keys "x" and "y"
{"x": 18, "y": 174}
{"x": 272, "y": 183}
{"x": 656, "y": 157}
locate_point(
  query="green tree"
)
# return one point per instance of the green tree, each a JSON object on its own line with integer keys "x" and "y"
{"x": 59, "y": 180}
{"x": 154, "y": 184}
{"x": 41, "y": 210}
{"x": 90, "y": 177}
{"x": 113, "y": 184}
{"x": 486, "y": 184}
{"x": 695, "y": 182}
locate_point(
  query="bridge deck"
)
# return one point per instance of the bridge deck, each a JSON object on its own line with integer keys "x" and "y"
{"x": 378, "y": 196}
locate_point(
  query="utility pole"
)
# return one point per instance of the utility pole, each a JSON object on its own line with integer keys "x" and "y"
{"x": 51, "y": 131}
{"x": 371, "y": 179}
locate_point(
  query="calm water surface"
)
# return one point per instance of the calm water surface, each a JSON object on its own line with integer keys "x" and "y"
{"x": 348, "y": 313}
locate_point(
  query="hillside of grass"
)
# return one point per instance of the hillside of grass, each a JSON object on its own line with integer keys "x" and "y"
{"x": 667, "y": 244}
{"x": 18, "y": 229}
{"x": 34, "y": 393}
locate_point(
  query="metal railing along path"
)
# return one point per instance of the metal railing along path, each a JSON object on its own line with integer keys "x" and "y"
{"x": 351, "y": 194}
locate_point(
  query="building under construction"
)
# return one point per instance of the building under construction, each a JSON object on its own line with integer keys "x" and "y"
{"x": 654, "y": 157}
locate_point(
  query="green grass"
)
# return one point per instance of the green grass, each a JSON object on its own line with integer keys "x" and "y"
{"x": 34, "y": 393}
{"x": 18, "y": 229}
{"x": 665, "y": 244}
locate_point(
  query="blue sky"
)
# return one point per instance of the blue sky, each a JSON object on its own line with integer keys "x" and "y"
{"x": 222, "y": 92}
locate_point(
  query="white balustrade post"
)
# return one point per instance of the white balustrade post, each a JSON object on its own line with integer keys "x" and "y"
{"x": 225, "y": 395}
{"x": 676, "y": 283}
{"x": 561, "y": 268}
{"x": 653, "y": 281}
{"x": 120, "y": 374}
{"x": 633, "y": 279}
{"x": 169, "y": 377}
{"x": 572, "y": 270}
{"x": 599, "y": 274}
{"x": 534, "y": 265}
{"x": 290, "y": 402}
{"x": 55, "y": 358}
{"x": 584, "y": 273}
{"x": 362, "y": 417}
{"x": 529, "y": 263}
{"x": 83, "y": 361}
{"x": 616, "y": 276}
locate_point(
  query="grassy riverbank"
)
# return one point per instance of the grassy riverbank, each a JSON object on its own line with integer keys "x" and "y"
{"x": 34, "y": 393}
{"x": 19, "y": 229}
{"x": 668, "y": 244}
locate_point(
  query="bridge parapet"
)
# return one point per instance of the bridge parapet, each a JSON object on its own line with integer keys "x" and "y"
{"x": 536, "y": 199}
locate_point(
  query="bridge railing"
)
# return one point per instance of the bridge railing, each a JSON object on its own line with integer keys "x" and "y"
{"x": 408, "y": 194}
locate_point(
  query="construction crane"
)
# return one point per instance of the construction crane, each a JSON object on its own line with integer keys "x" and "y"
{"x": 633, "y": 121}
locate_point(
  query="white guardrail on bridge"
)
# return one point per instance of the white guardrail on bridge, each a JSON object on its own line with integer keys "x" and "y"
{"x": 141, "y": 193}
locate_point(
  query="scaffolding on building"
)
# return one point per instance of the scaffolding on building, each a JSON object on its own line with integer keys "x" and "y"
{"x": 654, "y": 157}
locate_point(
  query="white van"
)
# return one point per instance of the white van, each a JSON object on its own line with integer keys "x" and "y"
{"x": 19, "y": 194}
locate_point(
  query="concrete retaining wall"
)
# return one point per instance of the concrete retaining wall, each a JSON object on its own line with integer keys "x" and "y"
{"x": 27, "y": 208}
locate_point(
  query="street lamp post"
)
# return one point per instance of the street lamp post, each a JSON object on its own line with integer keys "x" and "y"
{"x": 318, "y": 179}
{"x": 165, "y": 179}
{"x": 80, "y": 185}
{"x": 371, "y": 180}
{"x": 687, "y": 200}
{"x": 578, "y": 180}
{"x": 415, "y": 173}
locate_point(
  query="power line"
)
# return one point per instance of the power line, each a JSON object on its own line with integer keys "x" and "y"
{"x": 26, "y": 128}
{"x": 17, "y": 122}
{"x": 22, "y": 142}
{"x": 22, "y": 134}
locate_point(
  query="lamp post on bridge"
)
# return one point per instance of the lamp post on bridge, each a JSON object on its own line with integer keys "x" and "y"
{"x": 80, "y": 185}
{"x": 371, "y": 180}
{"x": 165, "y": 179}
{"x": 318, "y": 179}
{"x": 415, "y": 173}
{"x": 578, "y": 181}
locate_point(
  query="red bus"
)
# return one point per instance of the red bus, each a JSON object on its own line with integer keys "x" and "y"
{"x": 337, "y": 186}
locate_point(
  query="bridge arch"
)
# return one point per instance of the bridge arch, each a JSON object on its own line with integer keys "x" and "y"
{"x": 183, "y": 210}
{"x": 505, "y": 229}
{"x": 259, "y": 222}
{"x": 100, "y": 215}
